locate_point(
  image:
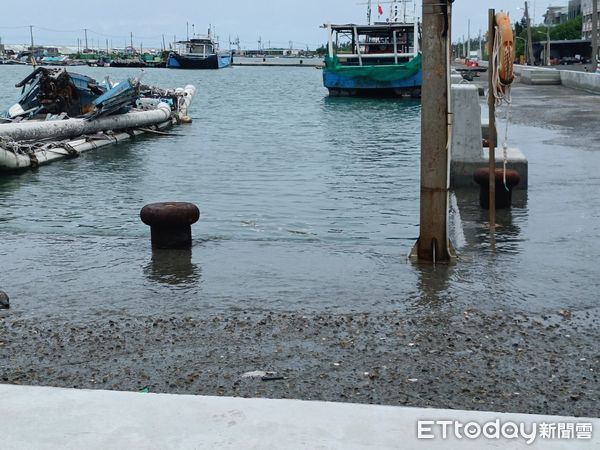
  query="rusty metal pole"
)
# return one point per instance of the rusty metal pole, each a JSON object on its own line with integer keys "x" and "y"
{"x": 433, "y": 245}
{"x": 492, "y": 119}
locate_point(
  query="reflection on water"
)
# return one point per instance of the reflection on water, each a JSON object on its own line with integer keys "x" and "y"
{"x": 173, "y": 266}
{"x": 433, "y": 283}
{"x": 475, "y": 222}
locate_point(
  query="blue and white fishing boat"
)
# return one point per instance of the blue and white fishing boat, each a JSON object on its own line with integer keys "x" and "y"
{"x": 200, "y": 52}
{"x": 382, "y": 59}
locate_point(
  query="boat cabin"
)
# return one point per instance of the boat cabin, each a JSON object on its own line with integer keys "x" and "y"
{"x": 377, "y": 44}
{"x": 199, "y": 47}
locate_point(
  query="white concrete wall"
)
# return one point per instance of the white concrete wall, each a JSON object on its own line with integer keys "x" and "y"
{"x": 581, "y": 80}
{"x": 53, "y": 418}
{"x": 540, "y": 76}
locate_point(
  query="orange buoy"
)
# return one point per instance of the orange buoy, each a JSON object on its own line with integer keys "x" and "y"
{"x": 506, "y": 54}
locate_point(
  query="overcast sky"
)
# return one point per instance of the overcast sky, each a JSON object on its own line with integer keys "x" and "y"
{"x": 276, "y": 22}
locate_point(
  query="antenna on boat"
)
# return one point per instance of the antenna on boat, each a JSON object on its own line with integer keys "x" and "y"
{"x": 368, "y": 11}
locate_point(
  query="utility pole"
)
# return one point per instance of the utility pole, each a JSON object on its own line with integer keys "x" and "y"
{"x": 31, "y": 33}
{"x": 548, "y": 44}
{"x": 492, "y": 122}
{"x": 131, "y": 40}
{"x": 469, "y": 39}
{"x": 529, "y": 51}
{"x": 163, "y": 40}
{"x": 433, "y": 245}
{"x": 86, "y": 42}
{"x": 594, "y": 35}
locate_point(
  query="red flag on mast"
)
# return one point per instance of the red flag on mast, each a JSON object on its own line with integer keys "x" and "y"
{"x": 379, "y": 10}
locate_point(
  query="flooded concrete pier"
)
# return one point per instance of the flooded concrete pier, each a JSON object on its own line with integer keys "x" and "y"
{"x": 332, "y": 305}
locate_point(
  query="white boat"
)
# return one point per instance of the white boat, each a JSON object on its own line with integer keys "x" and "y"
{"x": 61, "y": 115}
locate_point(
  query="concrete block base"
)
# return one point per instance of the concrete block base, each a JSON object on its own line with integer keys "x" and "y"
{"x": 461, "y": 171}
{"x": 540, "y": 76}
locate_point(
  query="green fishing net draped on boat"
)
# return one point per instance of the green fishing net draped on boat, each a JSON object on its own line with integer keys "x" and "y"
{"x": 388, "y": 72}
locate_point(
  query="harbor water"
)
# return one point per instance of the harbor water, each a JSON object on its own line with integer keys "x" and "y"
{"x": 308, "y": 203}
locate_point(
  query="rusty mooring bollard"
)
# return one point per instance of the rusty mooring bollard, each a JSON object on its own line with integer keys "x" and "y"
{"x": 4, "y": 300}
{"x": 503, "y": 194}
{"x": 170, "y": 223}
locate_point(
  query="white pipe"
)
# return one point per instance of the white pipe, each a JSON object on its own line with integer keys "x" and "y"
{"x": 357, "y": 46}
{"x": 416, "y": 36}
{"x": 330, "y": 40}
{"x": 377, "y": 55}
{"x": 56, "y": 129}
{"x": 12, "y": 161}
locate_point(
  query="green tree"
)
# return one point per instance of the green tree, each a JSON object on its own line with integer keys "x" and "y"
{"x": 568, "y": 30}
{"x": 565, "y": 31}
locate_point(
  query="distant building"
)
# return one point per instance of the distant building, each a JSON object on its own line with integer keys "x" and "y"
{"x": 1, "y": 47}
{"x": 276, "y": 52}
{"x": 555, "y": 15}
{"x": 574, "y": 8}
{"x": 586, "y": 11}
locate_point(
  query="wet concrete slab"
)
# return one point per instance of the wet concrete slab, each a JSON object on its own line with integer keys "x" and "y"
{"x": 48, "y": 418}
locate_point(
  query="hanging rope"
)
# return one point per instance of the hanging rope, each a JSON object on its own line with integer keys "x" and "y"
{"x": 502, "y": 75}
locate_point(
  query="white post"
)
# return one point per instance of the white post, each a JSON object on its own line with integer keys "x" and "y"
{"x": 330, "y": 40}
{"x": 395, "y": 47}
{"x": 416, "y": 35}
{"x": 469, "y": 39}
{"x": 357, "y": 46}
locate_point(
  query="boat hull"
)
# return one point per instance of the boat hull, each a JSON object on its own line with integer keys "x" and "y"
{"x": 215, "y": 61}
{"x": 390, "y": 80}
{"x": 348, "y": 85}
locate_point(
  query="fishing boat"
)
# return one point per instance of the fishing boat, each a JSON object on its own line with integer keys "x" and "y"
{"x": 200, "y": 52}
{"x": 62, "y": 114}
{"x": 376, "y": 60}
